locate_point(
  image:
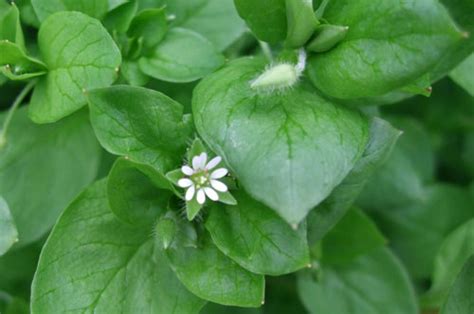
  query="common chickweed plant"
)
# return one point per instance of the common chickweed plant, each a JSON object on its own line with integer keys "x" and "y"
{"x": 237, "y": 156}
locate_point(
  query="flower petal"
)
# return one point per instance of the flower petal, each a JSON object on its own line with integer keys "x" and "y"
{"x": 219, "y": 186}
{"x": 190, "y": 193}
{"x": 196, "y": 162}
{"x": 203, "y": 160}
{"x": 201, "y": 197}
{"x": 187, "y": 170}
{"x": 219, "y": 173}
{"x": 185, "y": 182}
{"x": 211, "y": 194}
{"x": 214, "y": 162}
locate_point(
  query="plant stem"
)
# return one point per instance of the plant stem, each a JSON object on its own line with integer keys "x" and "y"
{"x": 19, "y": 99}
{"x": 266, "y": 50}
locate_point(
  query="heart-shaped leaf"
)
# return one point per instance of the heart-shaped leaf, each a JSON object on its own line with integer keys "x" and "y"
{"x": 288, "y": 149}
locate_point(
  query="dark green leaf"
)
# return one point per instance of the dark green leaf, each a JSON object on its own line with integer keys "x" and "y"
{"x": 93, "y": 263}
{"x": 463, "y": 75}
{"x": 461, "y": 296}
{"x": 151, "y": 25}
{"x": 93, "y": 8}
{"x": 389, "y": 43}
{"x": 372, "y": 284}
{"x": 8, "y": 232}
{"x": 182, "y": 56}
{"x": 119, "y": 19}
{"x": 142, "y": 124}
{"x": 132, "y": 73}
{"x": 43, "y": 160}
{"x": 80, "y": 55}
{"x": 257, "y": 238}
{"x": 289, "y": 149}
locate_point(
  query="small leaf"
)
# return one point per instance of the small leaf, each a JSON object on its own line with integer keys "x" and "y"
{"x": 257, "y": 238}
{"x": 151, "y": 25}
{"x": 119, "y": 19}
{"x": 142, "y": 124}
{"x": 462, "y": 74}
{"x": 80, "y": 55}
{"x": 301, "y": 22}
{"x": 8, "y": 232}
{"x": 182, "y": 56}
{"x": 327, "y": 37}
{"x": 93, "y": 8}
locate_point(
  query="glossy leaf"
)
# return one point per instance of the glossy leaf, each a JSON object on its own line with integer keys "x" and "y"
{"x": 257, "y": 238}
{"x": 389, "y": 43}
{"x": 300, "y": 143}
{"x": 8, "y": 232}
{"x": 104, "y": 261}
{"x": 80, "y": 55}
{"x": 372, "y": 284}
{"x": 182, "y": 56}
{"x": 93, "y": 8}
{"x": 43, "y": 159}
{"x": 144, "y": 125}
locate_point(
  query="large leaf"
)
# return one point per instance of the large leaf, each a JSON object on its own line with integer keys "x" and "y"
{"x": 374, "y": 283}
{"x": 266, "y": 18}
{"x": 94, "y": 8}
{"x": 51, "y": 163}
{"x": 463, "y": 75}
{"x": 389, "y": 43}
{"x": 417, "y": 231}
{"x": 288, "y": 149}
{"x": 105, "y": 267}
{"x": 454, "y": 252}
{"x": 182, "y": 56}
{"x": 144, "y": 125}
{"x": 8, "y": 232}
{"x": 257, "y": 238}
{"x": 208, "y": 273}
{"x": 382, "y": 140}
{"x": 461, "y": 296}
{"x": 217, "y": 20}
{"x": 80, "y": 55}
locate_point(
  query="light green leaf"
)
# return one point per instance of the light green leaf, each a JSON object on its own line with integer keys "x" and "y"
{"x": 8, "y": 232}
{"x": 461, "y": 296}
{"x": 354, "y": 235}
{"x": 133, "y": 197}
{"x": 118, "y": 20}
{"x": 455, "y": 251}
{"x": 463, "y": 74}
{"x": 257, "y": 238}
{"x": 132, "y": 73}
{"x": 144, "y": 125}
{"x": 93, "y": 8}
{"x": 217, "y": 20}
{"x": 372, "y": 284}
{"x": 182, "y": 56}
{"x": 10, "y": 26}
{"x": 417, "y": 231}
{"x": 151, "y": 26}
{"x": 301, "y": 22}
{"x": 389, "y": 43}
{"x": 382, "y": 140}
{"x": 211, "y": 275}
{"x": 266, "y": 18}
{"x": 42, "y": 160}
{"x": 80, "y": 55}
{"x": 91, "y": 261}
{"x": 290, "y": 149}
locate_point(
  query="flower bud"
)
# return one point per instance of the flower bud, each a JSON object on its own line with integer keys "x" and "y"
{"x": 279, "y": 76}
{"x": 326, "y": 37}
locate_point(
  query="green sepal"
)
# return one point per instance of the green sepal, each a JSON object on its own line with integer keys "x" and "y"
{"x": 227, "y": 198}
{"x": 301, "y": 22}
{"x": 327, "y": 37}
{"x": 192, "y": 208}
{"x": 165, "y": 231}
{"x": 196, "y": 148}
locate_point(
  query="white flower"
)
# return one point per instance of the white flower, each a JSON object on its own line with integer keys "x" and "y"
{"x": 200, "y": 181}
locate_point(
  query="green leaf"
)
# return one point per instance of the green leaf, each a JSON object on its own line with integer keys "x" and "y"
{"x": 217, "y": 20}
{"x": 389, "y": 43}
{"x": 119, "y": 19}
{"x": 144, "y": 125}
{"x": 416, "y": 231}
{"x": 463, "y": 75}
{"x": 133, "y": 197}
{"x": 16, "y": 61}
{"x": 10, "y": 26}
{"x": 354, "y": 235}
{"x": 8, "y": 232}
{"x": 182, "y": 56}
{"x": 268, "y": 25}
{"x": 211, "y": 275}
{"x": 455, "y": 250}
{"x": 151, "y": 25}
{"x": 93, "y": 8}
{"x": 382, "y": 140}
{"x": 461, "y": 296}
{"x": 51, "y": 163}
{"x": 132, "y": 73}
{"x": 80, "y": 55}
{"x": 289, "y": 149}
{"x": 301, "y": 22}
{"x": 257, "y": 238}
{"x": 91, "y": 261}
{"x": 372, "y": 284}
